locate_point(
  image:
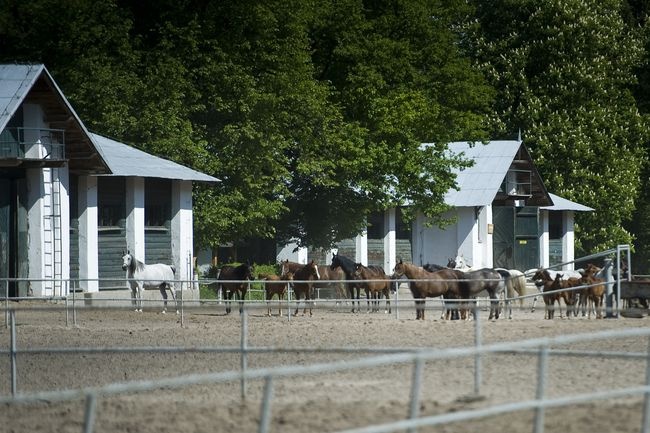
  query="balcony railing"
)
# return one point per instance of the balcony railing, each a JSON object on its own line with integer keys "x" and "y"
{"x": 32, "y": 144}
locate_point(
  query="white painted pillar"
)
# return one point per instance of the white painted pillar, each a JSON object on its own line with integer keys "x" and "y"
{"x": 390, "y": 240}
{"x": 35, "y": 218}
{"x": 64, "y": 186}
{"x": 361, "y": 248}
{"x": 544, "y": 248}
{"x": 88, "y": 236}
{"x": 568, "y": 239}
{"x": 135, "y": 217}
{"x": 182, "y": 230}
{"x": 489, "y": 236}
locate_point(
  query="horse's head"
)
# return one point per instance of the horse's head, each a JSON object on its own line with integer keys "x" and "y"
{"x": 399, "y": 270}
{"x": 284, "y": 267}
{"x": 313, "y": 270}
{"x": 288, "y": 276}
{"x": 358, "y": 268}
{"x": 451, "y": 263}
{"x": 248, "y": 271}
{"x": 336, "y": 262}
{"x": 127, "y": 259}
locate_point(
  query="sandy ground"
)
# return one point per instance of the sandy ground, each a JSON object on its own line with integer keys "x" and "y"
{"x": 315, "y": 403}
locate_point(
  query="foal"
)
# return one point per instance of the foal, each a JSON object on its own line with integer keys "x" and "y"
{"x": 275, "y": 285}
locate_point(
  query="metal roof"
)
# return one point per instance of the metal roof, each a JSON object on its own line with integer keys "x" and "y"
{"x": 560, "y": 203}
{"x": 124, "y": 160}
{"x": 15, "y": 83}
{"x": 33, "y": 83}
{"x": 479, "y": 184}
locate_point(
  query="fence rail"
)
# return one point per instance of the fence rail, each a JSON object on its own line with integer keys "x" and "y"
{"x": 542, "y": 348}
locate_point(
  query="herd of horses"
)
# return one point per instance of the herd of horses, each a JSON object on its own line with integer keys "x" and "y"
{"x": 457, "y": 286}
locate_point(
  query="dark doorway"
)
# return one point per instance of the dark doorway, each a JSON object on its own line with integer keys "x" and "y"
{"x": 13, "y": 236}
{"x": 516, "y": 237}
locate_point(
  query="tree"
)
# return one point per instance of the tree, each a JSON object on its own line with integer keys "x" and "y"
{"x": 564, "y": 70}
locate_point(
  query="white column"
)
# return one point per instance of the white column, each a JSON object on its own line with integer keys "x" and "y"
{"x": 88, "y": 240}
{"x": 544, "y": 249}
{"x": 64, "y": 198}
{"x": 182, "y": 226}
{"x": 568, "y": 239}
{"x": 361, "y": 248}
{"x": 35, "y": 218}
{"x": 135, "y": 216}
{"x": 488, "y": 248}
{"x": 390, "y": 240}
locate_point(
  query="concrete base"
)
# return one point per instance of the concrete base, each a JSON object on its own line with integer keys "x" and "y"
{"x": 122, "y": 298}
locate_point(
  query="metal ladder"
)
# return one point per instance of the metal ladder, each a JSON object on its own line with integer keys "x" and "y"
{"x": 52, "y": 239}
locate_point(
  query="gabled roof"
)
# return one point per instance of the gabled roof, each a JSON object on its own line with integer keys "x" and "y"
{"x": 560, "y": 203}
{"x": 32, "y": 83}
{"x": 87, "y": 153}
{"x": 480, "y": 184}
{"x": 124, "y": 160}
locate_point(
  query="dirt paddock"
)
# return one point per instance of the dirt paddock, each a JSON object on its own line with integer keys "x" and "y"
{"x": 315, "y": 403}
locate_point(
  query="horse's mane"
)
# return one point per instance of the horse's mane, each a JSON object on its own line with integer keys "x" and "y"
{"x": 135, "y": 265}
{"x": 348, "y": 265}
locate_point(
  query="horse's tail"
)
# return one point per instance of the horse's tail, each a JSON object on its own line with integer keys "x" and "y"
{"x": 173, "y": 269}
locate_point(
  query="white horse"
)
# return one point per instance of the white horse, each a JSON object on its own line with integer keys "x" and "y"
{"x": 141, "y": 277}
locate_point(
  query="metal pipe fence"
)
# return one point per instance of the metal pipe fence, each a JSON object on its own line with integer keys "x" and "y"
{"x": 540, "y": 347}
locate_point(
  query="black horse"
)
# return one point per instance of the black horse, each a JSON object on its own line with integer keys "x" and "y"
{"x": 234, "y": 279}
{"x": 349, "y": 267}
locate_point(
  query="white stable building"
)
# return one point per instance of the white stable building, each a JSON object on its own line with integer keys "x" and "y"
{"x": 504, "y": 217}
{"x": 71, "y": 202}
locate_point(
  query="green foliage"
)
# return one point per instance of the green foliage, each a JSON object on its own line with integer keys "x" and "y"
{"x": 564, "y": 70}
{"x": 313, "y": 113}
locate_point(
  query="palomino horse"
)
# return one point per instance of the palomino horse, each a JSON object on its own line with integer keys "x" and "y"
{"x": 374, "y": 281}
{"x": 474, "y": 282}
{"x": 425, "y": 284}
{"x": 274, "y": 285}
{"x": 349, "y": 267}
{"x": 302, "y": 285}
{"x": 515, "y": 282}
{"x": 234, "y": 280}
{"x": 141, "y": 277}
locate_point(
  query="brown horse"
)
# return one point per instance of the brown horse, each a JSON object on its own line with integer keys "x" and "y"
{"x": 374, "y": 281}
{"x": 328, "y": 278}
{"x": 234, "y": 280}
{"x": 302, "y": 286}
{"x": 425, "y": 284}
{"x": 274, "y": 285}
{"x": 596, "y": 292}
{"x": 553, "y": 284}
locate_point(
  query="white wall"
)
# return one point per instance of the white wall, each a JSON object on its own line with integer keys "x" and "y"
{"x": 88, "y": 236}
{"x": 182, "y": 230}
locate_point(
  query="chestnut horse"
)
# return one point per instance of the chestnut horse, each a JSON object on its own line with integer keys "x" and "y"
{"x": 302, "y": 286}
{"x": 426, "y": 284}
{"x": 274, "y": 285}
{"x": 328, "y": 278}
{"x": 374, "y": 281}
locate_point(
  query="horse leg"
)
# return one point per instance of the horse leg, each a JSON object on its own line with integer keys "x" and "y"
{"x": 163, "y": 292}
{"x": 227, "y": 296}
{"x": 242, "y": 296}
{"x": 134, "y": 296}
